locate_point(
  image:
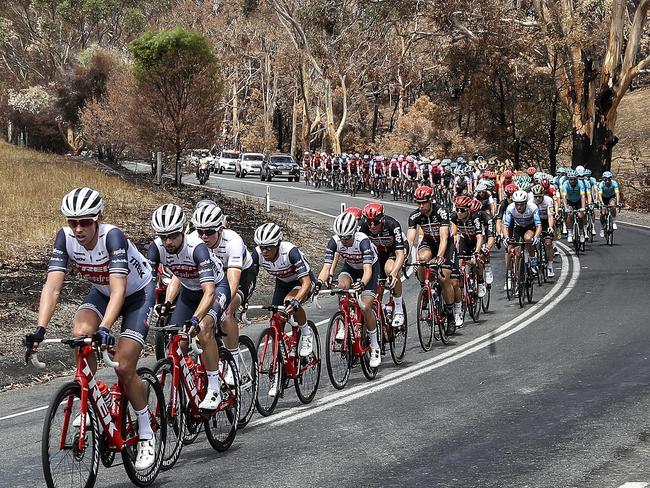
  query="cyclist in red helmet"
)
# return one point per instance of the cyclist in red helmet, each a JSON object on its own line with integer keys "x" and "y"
{"x": 356, "y": 211}
{"x": 505, "y": 180}
{"x": 531, "y": 170}
{"x": 386, "y": 234}
{"x": 434, "y": 247}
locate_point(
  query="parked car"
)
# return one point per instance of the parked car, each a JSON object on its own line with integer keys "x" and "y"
{"x": 227, "y": 161}
{"x": 249, "y": 164}
{"x": 280, "y": 166}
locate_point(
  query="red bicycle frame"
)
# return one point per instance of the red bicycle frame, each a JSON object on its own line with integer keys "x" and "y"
{"x": 351, "y": 311}
{"x": 288, "y": 343}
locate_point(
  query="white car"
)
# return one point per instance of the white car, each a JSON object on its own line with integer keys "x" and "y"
{"x": 249, "y": 164}
{"x": 227, "y": 161}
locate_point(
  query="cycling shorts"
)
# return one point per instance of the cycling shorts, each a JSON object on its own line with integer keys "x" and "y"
{"x": 393, "y": 173}
{"x": 517, "y": 232}
{"x": 430, "y": 243}
{"x": 135, "y": 311}
{"x": 466, "y": 248}
{"x": 357, "y": 274}
{"x": 247, "y": 282}
{"x": 607, "y": 201}
{"x": 383, "y": 257}
{"x": 188, "y": 300}
{"x": 573, "y": 205}
{"x": 283, "y": 288}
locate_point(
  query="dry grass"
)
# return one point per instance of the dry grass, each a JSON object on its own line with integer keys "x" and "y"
{"x": 633, "y": 125}
{"x": 32, "y": 185}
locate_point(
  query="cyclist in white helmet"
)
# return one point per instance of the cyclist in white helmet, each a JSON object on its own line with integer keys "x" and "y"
{"x": 122, "y": 287}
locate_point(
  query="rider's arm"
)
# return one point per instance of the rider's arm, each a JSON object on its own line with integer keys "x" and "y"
{"x": 444, "y": 237}
{"x": 537, "y": 220}
{"x": 302, "y": 272}
{"x": 173, "y": 289}
{"x": 329, "y": 258}
{"x": 400, "y": 255}
{"x": 50, "y": 296}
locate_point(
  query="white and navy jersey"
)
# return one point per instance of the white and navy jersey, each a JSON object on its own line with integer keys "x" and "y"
{"x": 529, "y": 217}
{"x": 232, "y": 251}
{"x": 290, "y": 263}
{"x": 430, "y": 224}
{"x": 544, "y": 206}
{"x": 113, "y": 254}
{"x": 362, "y": 251}
{"x": 193, "y": 264}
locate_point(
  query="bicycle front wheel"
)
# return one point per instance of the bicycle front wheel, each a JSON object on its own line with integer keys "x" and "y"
{"x": 485, "y": 301}
{"x": 425, "y": 319}
{"x": 308, "y": 377}
{"x": 398, "y": 342}
{"x": 156, "y": 406}
{"x": 269, "y": 373}
{"x": 68, "y": 459}
{"x": 248, "y": 374}
{"x": 176, "y": 426}
{"x": 221, "y": 427}
{"x": 339, "y": 352}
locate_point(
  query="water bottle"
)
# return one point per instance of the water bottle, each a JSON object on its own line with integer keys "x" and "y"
{"x": 108, "y": 398}
{"x": 388, "y": 312}
{"x": 116, "y": 395}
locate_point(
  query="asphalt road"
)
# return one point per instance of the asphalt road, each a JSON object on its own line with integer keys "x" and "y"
{"x": 556, "y": 395}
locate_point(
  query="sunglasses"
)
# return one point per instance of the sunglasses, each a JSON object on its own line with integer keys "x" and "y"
{"x": 374, "y": 222}
{"x": 81, "y": 222}
{"x": 267, "y": 248}
{"x": 172, "y": 236}
{"x": 461, "y": 210}
{"x": 206, "y": 232}
{"x": 539, "y": 196}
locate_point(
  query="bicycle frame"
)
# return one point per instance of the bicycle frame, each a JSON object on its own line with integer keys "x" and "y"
{"x": 348, "y": 304}
{"x": 280, "y": 338}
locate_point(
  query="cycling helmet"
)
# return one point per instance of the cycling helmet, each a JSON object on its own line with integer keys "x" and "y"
{"x": 345, "y": 225}
{"x": 204, "y": 202}
{"x": 489, "y": 184}
{"x": 607, "y": 174}
{"x": 561, "y": 170}
{"x": 475, "y": 205}
{"x": 471, "y": 163}
{"x": 490, "y": 175}
{"x": 511, "y": 188}
{"x": 482, "y": 186}
{"x": 538, "y": 190}
{"x": 208, "y": 216}
{"x": 356, "y": 211}
{"x": 580, "y": 171}
{"x": 167, "y": 219}
{"x": 379, "y": 158}
{"x": 268, "y": 234}
{"x": 545, "y": 182}
{"x": 507, "y": 174}
{"x": 520, "y": 196}
{"x": 587, "y": 172}
{"x": 423, "y": 194}
{"x": 447, "y": 169}
{"x": 373, "y": 211}
{"x": 453, "y": 164}
{"x": 409, "y": 159}
{"x": 525, "y": 185}
{"x": 482, "y": 166}
{"x": 531, "y": 170}
{"x": 462, "y": 201}
{"x": 571, "y": 173}
{"x": 82, "y": 202}
{"x": 446, "y": 162}
{"x": 580, "y": 168}
{"x": 537, "y": 176}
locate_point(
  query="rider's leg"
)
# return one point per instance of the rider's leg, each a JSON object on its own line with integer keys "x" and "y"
{"x": 424, "y": 256}
{"x": 231, "y": 328}
{"x": 85, "y": 323}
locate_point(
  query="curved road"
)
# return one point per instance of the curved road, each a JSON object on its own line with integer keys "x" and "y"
{"x": 554, "y": 395}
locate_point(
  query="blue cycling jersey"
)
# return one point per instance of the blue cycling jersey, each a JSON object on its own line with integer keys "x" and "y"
{"x": 608, "y": 191}
{"x": 573, "y": 193}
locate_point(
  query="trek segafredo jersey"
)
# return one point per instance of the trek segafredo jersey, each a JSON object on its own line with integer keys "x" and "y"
{"x": 113, "y": 254}
{"x": 290, "y": 263}
{"x": 361, "y": 252}
{"x": 193, "y": 264}
{"x": 231, "y": 250}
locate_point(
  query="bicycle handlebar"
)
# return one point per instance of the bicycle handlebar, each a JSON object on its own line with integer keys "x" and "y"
{"x": 73, "y": 342}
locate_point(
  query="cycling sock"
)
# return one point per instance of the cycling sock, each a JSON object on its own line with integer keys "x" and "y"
{"x": 213, "y": 380}
{"x": 374, "y": 344}
{"x": 398, "y": 305}
{"x": 458, "y": 307}
{"x": 144, "y": 424}
{"x": 305, "y": 330}
{"x": 235, "y": 355}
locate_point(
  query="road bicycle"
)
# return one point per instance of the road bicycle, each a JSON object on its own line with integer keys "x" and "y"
{"x": 577, "y": 245}
{"x": 184, "y": 383}
{"x": 431, "y": 316}
{"x": 353, "y": 345}
{"x": 395, "y": 337}
{"x": 609, "y": 224}
{"x": 469, "y": 277}
{"x": 520, "y": 277}
{"x": 108, "y": 423}
{"x": 542, "y": 259}
{"x": 279, "y": 362}
{"x": 589, "y": 225}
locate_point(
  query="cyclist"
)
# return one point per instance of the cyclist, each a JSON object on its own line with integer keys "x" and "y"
{"x": 589, "y": 191}
{"x": 228, "y": 247}
{"x": 122, "y": 286}
{"x": 546, "y": 208}
{"x": 434, "y": 247}
{"x": 293, "y": 277}
{"x": 487, "y": 225}
{"x": 608, "y": 196}
{"x": 523, "y": 223}
{"x": 386, "y": 234}
{"x": 574, "y": 198}
{"x": 360, "y": 271}
{"x": 204, "y": 292}
{"x": 468, "y": 239}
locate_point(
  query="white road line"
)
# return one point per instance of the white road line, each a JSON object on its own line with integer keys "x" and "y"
{"x": 397, "y": 377}
{"x": 13, "y": 415}
{"x": 633, "y": 224}
{"x": 634, "y": 484}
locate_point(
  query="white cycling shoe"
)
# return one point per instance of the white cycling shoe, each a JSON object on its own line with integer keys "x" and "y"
{"x": 398, "y": 320}
{"x": 76, "y": 423}
{"x": 550, "y": 271}
{"x": 375, "y": 358}
{"x": 146, "y": 454}
{"x": 458, "y": 319}
{"x": 489, "y": 277}
{"x": 569, "y": 238}
{"x": 306, "y": 346}
{"x": 211, "y": 401}
{"x": 482, "y": 290}
{"x": 274, "y": 387}
{"x": 614, "y": 226}
{"x": 340, "y": 334}
{"x": 602, "y": 233}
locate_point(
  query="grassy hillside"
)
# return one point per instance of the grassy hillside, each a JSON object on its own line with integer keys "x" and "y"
{"x": 633, "y": 125}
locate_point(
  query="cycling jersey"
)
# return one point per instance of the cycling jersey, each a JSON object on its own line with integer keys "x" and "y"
{"x": 529, "y": 217}
{"x": 410, "y": 169}
{"x": 430, "y": 224}
{"x": 573, "y": 193}
{"x": 362, "y": 251}
{"x": 502, "y": 208}
{"x": 113, "y": 254}
{"x": 290, "y": 263}
{"x": 232, "y": 251}
{"x": 390, "y": 239}
{"x": 545, "y": 207}
{"x": 193, "y": 264}
{"x": 485, "y": 197}
{"x": 468, "y": 229}
{"x": 608, "y": 191}
{"x": 487, "y": 224}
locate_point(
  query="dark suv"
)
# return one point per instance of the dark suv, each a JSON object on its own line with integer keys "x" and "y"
{"x": 279, "y": 166}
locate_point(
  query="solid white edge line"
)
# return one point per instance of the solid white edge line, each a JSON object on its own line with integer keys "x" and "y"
{"x": 397, "y": 377}
{"x": 634, "y": 484}
{"x": 13, "y": 415}
{"x": 633, "y": 224}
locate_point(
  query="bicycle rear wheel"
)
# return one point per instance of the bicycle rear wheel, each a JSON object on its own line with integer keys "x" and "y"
{"x": 521, "y": 283}
{"x": 530, "y": 288}
{"x": 176, "y": 426}
{"x": 308, "y": 378}
{"x": 338, "y": 357}
{"x": 157, "y": 409}
{"x": 438, "y": 310}
{"x": 485, "y": 301}
{"x": 270, "y": 373}
{"x": 248, "y": 379}
{"x": 221, "y": 427}
{"x": 425, "y": 319}
{"x": 68, "y": 464}
{"x": 368, "y": 372}
{"x": 398, "y": 342}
